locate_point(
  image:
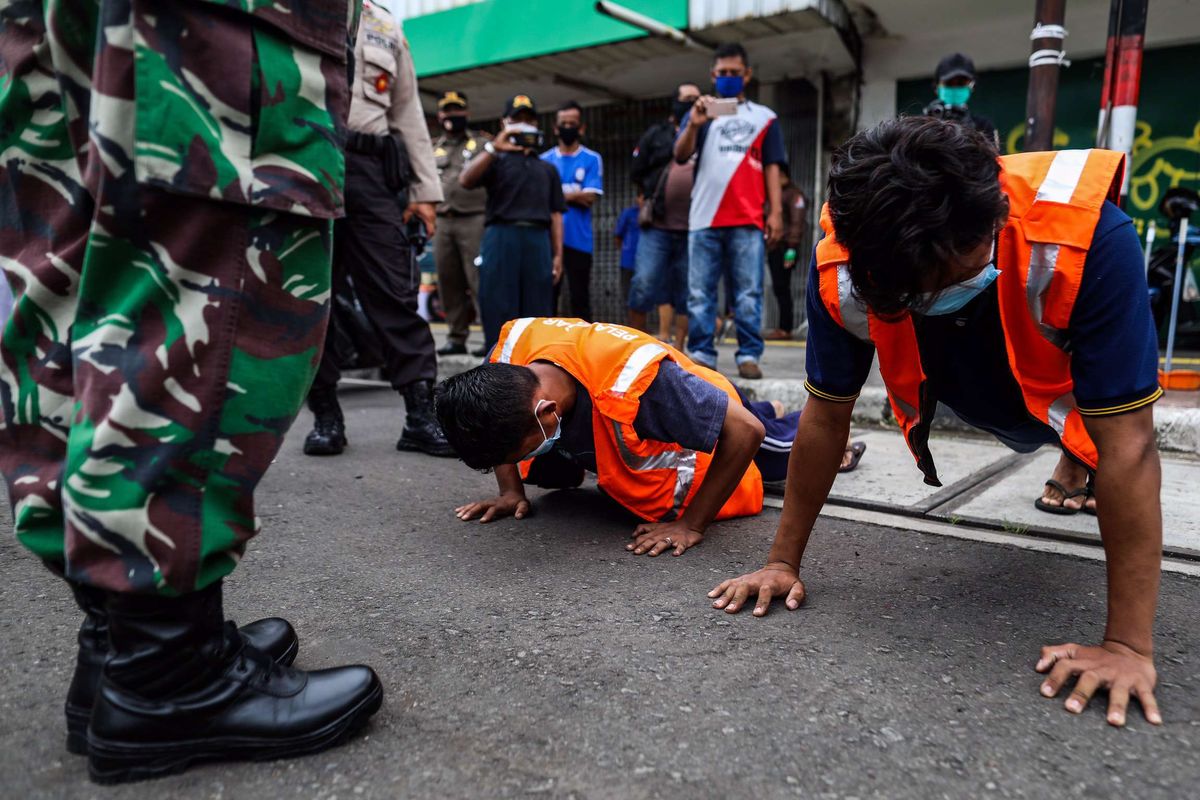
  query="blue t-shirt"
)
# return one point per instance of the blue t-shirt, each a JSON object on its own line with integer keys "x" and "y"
{"x": 628, "y": 232}
{"x": 1114, "y": 350}
{"x": 581, "y": 171}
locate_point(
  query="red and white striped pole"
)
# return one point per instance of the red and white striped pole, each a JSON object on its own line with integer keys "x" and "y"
{"x": 1117, "y": 125}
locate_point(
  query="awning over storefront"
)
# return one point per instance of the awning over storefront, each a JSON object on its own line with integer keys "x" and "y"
{"x": 555, "y": 50}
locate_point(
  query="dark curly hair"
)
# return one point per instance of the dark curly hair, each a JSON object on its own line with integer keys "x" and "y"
{"x": 909, "y": 198}
{"x": 486, "y": 412}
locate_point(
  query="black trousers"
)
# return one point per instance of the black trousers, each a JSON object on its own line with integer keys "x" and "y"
{"x": 515, "y": 276}
{"x": 781, "y": 287}
{"x": 371, "y": 250}
{"x": 577, "y": 274}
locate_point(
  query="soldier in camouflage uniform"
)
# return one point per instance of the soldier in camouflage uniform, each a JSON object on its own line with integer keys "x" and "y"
{"x": 166, "y": 191}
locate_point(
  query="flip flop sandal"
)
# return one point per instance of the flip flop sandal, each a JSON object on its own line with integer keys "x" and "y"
{"x": 1060, "y": 510}
{"x": 1091, "y": 492}
{"x": 856, "y": 450}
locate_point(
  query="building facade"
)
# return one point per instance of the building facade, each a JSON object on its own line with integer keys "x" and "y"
{"x": 827, "y": 66}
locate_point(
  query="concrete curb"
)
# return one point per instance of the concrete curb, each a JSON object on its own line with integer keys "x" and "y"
{"x": 1177, "y": 429}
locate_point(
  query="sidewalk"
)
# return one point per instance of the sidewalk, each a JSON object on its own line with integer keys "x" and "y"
{"x": 1176, "y": 415}
{"x": 986, "y": 485}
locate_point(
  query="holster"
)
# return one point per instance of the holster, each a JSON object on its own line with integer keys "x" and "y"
{"x": 393, "y": 156}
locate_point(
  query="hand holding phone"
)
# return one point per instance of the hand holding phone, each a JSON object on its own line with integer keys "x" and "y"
{"x": 722, "y": 106}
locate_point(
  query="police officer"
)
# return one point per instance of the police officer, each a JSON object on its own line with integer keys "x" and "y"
{"x": 390, "y": 179}
{"x": 460, "y": 221}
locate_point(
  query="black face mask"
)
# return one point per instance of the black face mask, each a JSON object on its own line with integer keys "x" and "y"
{"x": 455, "y": 124}
{"x": 568, "y": 135}
{"x": 681, "y": 108}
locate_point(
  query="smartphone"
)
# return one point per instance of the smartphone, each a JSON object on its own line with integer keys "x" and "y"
{"x": 529, "y": 139}
{"x": 722, "y": 107}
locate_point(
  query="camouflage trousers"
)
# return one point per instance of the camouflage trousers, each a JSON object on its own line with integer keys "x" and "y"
{"x": 160, "y": 343}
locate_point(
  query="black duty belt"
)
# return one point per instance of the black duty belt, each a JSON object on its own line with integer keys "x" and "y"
{"x": 367, "y": 144}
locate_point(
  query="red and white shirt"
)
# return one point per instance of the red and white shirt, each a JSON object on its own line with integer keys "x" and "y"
{"x": 729, "y": 189}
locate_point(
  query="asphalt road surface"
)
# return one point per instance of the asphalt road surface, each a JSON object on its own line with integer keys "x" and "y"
{"x": 537, "y": 658}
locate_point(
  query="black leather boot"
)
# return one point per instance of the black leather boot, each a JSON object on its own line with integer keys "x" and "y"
{"x": 328, "y": 436}
{"x": 181, "y": 687}
{"x": 421, "y": 429}
{"x": 273, "y": 636}
{"x": 93, "y": 649}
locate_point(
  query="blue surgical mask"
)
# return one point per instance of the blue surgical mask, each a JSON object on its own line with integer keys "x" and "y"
{"x": 954, "y": 95}
{"x": 955, "y": 296}
{"x": 548, "y": 441}
{"x": 729, "y": 85}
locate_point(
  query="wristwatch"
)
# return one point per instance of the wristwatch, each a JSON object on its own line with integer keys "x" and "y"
{"x": 488, "y": 148}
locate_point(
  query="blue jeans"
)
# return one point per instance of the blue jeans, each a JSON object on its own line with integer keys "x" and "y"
{"x": 661, "y": 271}
{"x": 737, "y": 252}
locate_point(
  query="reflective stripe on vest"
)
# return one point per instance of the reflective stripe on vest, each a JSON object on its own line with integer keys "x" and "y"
{"x": 1054, "y": 205}
{"x": 615, "y": 365}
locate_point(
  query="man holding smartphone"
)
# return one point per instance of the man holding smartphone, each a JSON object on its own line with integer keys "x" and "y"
{"x": 739, "y": 153}
{"x": 523, "y": 233}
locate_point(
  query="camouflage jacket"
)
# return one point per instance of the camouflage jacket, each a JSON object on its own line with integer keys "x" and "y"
{"x": 320, "y": 24}
{"x": 247, "y": 108}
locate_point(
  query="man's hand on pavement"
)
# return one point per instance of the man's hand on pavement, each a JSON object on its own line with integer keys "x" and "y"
{"x": 653, "y": 538}
{"x": 1121, "y": 670}
{"x": 513, "y": 504}
{"x": 426, "y": 212}
{"x": 776, "y": 579}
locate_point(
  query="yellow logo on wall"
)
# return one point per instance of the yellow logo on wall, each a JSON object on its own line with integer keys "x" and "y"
{"x": 1160, "y": 165}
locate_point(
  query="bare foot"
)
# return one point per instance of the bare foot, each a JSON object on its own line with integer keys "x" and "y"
{"x": 1072, "y": 476}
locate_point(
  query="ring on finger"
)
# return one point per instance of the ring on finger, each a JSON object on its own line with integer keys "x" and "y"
{"x": 667, "y": 541}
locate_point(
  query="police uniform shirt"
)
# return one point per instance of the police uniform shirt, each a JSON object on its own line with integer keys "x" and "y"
{"x": 450, "y": 155}
{"x": 522, "y": 189}
{"x": 383, "y": 96}
{"x": 1114, "y": 355}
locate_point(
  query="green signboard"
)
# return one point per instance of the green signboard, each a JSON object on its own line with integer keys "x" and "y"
{"x": 496, "y": 31}
{"x": 1166, "y": 151}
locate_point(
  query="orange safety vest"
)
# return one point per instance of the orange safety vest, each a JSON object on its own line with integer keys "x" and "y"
{"x": 615, "y": 365}
{"x": 1054, "y": 206}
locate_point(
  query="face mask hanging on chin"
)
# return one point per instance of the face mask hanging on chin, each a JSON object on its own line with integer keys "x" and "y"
{"x": 548, "y": 441}
{"x": 953, "y": 298}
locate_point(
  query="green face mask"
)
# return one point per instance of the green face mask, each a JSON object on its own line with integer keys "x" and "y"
{"x": 954, "y": 95}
